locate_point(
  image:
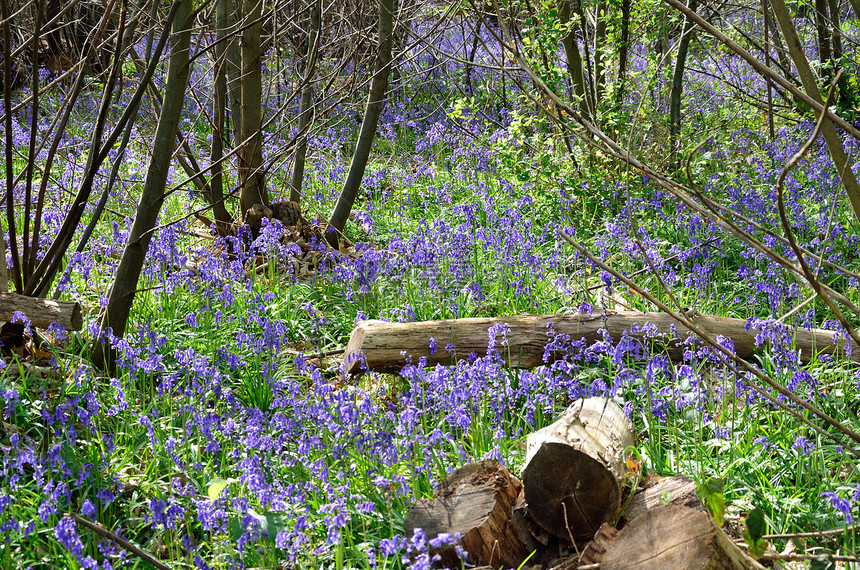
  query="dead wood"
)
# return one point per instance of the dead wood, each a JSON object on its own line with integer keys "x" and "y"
{"x": 380, "y": 346}
{"x": 659, "y": 491}
{"x": 672, "y": 536}
{"x": 42, "y": 312}
{"x": 575, "y": 469}
{"x": 475, "y": 501}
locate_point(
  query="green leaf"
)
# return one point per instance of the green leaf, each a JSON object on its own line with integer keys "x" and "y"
{"x": 216, "y": 486}
{"x": 756, "y": 524}
{"x": 711, "y": 493}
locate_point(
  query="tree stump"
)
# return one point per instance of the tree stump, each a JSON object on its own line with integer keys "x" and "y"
{"x": 675, "y": 537}
{"x": 575, "y": 468}
{"x": 475, "y": 501}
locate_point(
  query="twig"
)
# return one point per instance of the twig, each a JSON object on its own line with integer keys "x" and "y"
{"x": 119, "y": 541}
{"x": 814, "y": 534}
{"x": 801, "y": 557}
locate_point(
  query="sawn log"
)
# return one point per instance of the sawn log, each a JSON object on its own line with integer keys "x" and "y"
{"x": 386, "y": 347}
{"x": 575, "y": 469}
{"x": 42, "y": 312}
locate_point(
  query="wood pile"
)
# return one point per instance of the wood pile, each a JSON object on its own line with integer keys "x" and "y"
{"x": 567, "y": 511}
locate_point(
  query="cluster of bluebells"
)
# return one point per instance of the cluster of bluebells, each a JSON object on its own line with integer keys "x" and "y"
{"x": 308, "y": 460}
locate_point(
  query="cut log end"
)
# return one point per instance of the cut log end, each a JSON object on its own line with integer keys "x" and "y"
{"x": 476, "y": 502}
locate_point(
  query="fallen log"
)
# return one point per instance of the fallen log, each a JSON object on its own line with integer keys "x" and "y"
{"x": 475, "y": 501}
{"x": 575, "y": 469}
{"x": 672, "y": 536}
{"x": 42, "y": 312}
{"x": 386, "y": 347}
{"x": 659, "y": 491}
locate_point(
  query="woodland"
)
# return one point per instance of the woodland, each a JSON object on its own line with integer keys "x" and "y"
{"x": 545, "y": 284}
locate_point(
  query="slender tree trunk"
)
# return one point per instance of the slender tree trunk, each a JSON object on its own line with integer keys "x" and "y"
{"x": 767, "y": 33}
{"x": 623, "y": 51}
{"x": 252, "y": 179}
{"x": 678, "y": 86}
{"x": 121, "y": 297}
{"x": 835, "y": 30}
{"x": 375, "y": 99}
{"x": 223, "y": 18}
{"x": 305, "y": 107}
{"x": 810, "y": 85}
{"x": 824, "y": 54}
{"x": 234, "y": 68}
{"x": 574, "y": 60}
{"x": 855, "y": 5}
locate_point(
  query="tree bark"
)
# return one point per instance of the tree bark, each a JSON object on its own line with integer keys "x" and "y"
{"x": 678, "y": 87}
{"x": 810, "y": 85}
{"x": 574, "y": 60}
{"x": 252, "y": 179}
{"x": 305, "y": 106}
{"x": 121, "y": 297}
{"x": 372, "y": 110}
{"x": 575, "y": 469}
{"x": 42, "y": 312}
{"x": 623, "y": 50}
{"x": 378, "y": 345}
{"x": 223, "y": 20}
{"x": 475, "y": 501}
{"x": 675, "y": 537}
{"x": 658, "y": 491}
{"x": 821, "y": 32}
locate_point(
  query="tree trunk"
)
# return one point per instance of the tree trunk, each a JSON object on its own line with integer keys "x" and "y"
{"x": 678, "y": 88}
{"x": 378, "y": 345}
{"x": 475, "y": 501}
{"x": 305, "y": 107}
{"x": 574, "y": 60}
{"x": 575, "y": 469}
{"x": 223, "y": 19}
{"x": 233, "y": 63}
{"x": 835, "y": 30}
{"x": 121, "y": 297}
{"x": 810, "y": 85}
{"x": 623, "y": 51}
{"x": 821, "y": 32}
{"x": 375, "y": 99}
{"x": 252, "y": 179}
{"x": 675, "y": 537}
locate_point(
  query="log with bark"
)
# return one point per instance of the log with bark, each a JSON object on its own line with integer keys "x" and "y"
{"x": 672, "y": 536}
{"x": 380, "y": 346}
{"x": 659, "y": 491}
{"x": 575, "y": 469}
{"x": 475, "y": 501}
{"x": 42, "y": 312}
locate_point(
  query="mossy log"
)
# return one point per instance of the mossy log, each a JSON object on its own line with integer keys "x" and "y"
{"x": 575, "y": 469}
{"x": 381, "y": 346}
{"x": 672, "y": 536}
